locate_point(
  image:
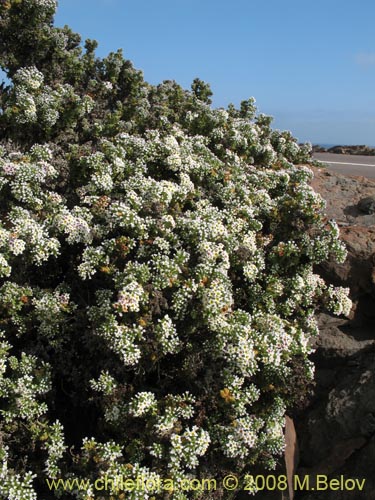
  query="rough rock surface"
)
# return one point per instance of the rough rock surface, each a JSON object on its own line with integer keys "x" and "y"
{"x": 336, "y": 434}
{"x": 344, "y": 195}
{"x": 367, "y": 205}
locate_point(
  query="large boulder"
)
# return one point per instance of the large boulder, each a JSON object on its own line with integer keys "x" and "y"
{"x": 344, "y": 196}
{"x": 336, "y": 433}
{"x": 367, "y": 205}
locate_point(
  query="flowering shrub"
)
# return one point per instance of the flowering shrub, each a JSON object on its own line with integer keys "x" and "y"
{"x": 157, "y": 272}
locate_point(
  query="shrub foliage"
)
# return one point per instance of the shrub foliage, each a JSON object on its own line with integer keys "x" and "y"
{"x": 157, "y": 291}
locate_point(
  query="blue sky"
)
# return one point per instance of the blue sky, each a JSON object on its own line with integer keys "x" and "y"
{"x": 309, "y": 64}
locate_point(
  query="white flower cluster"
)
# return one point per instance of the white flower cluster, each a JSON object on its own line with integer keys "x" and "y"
{"x": 142, "y": 403}
{"x": 129, "y": 298}
{"x": 105, "y": 383}
{"x": 122, "y": 340}
{"x": 217, "y": 297}
{"x": 167, "y": 335}
{"x": 242, "y": 437}
{"x": 110, "y": 455}
{"x": 35, "y": 102}
{"x": 339, "y": 301}
{"x": 38, "y": 242}
{"x": 44, "y": 5}
{"x": 12, "y": 485}
{"x": 187, "y": 447}
{"x": 50, "y": 311}
{"x": 91, "y": 258}
{"x": 5, "y": 268}
{"x": 26, "y": 180}
{"x": 177, "y": 407}
{"x": 30, "y": 78}
{"x": 167, "y": 270}
{"x": 55, "y": 448}
{"x": 75, "y": 224}
{"x": 23, "y": 388}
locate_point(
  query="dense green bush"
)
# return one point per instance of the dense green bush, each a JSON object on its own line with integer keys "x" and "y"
{"x": 157, "y": 292}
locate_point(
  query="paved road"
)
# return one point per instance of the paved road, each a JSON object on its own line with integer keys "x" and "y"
{"x": 349, "y": 164}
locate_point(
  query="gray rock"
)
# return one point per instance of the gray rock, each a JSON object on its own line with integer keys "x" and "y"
{"x": 336, "y": 434}
{"x": 367, "y": 205}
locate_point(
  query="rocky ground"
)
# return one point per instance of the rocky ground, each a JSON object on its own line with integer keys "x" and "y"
{"x": 336, "y": 434}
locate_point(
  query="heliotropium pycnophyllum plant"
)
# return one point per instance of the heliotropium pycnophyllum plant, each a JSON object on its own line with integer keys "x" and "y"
{"x": 157, "y": 289}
